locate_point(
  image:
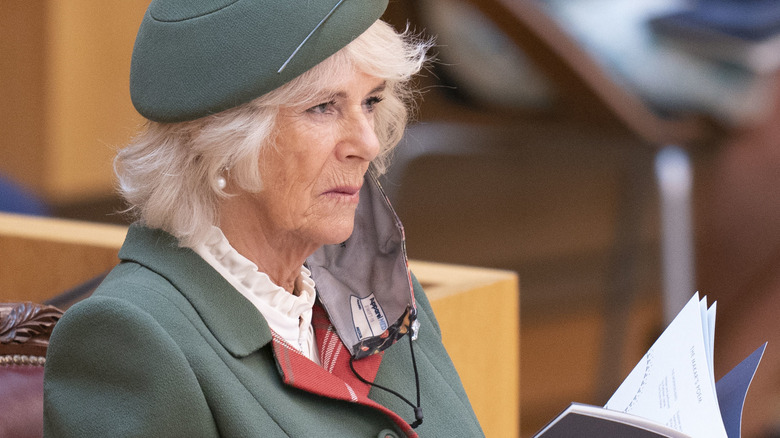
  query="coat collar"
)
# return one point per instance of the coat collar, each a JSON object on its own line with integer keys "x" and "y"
{"x": 242, "y": 330}
{"x": 233, "y": 320}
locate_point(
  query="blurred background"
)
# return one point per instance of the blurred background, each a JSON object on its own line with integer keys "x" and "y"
{"x": 535, "y": 149}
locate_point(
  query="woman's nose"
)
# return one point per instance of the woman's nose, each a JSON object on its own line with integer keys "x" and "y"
{"x": 361, "y": 140}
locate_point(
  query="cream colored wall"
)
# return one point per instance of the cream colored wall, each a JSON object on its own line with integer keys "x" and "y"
{"x": 64, "y": 88}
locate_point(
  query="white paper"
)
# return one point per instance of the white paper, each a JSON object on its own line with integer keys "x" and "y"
{"x": 639, "y": 423}
{"x": 673, "y": 383}
{"x": 711, "y": 352}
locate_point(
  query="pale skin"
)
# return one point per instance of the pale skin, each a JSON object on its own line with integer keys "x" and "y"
{"x": 311, "y": 180}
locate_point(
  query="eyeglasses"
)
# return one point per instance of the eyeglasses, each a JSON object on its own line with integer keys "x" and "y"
{"x": 309, "y": 36}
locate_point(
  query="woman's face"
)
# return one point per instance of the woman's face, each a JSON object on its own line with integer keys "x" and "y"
{"x": 312, "y": 178}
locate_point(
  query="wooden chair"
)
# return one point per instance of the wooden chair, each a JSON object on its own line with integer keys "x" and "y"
{"x": 24, "y": 336}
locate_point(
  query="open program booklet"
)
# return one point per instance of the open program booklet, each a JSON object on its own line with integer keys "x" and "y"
{"x": 671, "y": 392}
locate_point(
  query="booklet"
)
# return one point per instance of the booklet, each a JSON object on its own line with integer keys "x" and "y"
{"x": 672, "y": 391}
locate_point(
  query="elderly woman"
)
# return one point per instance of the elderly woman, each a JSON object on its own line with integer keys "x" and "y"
{"x": 264, "y": 286}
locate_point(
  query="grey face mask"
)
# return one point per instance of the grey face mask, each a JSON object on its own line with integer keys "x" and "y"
{"x": 364, "y": 283}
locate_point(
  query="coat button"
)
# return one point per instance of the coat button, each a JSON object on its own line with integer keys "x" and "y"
{"x": 387, "y": 433}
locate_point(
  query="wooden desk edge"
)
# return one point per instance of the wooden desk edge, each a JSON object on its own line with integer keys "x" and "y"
{"x": 62, "y": 230}
{"x": 440, "y": 280}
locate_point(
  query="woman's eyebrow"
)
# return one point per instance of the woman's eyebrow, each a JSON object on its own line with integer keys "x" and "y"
{"x": 380, "y": 88}
{"x": 330, "y": 95}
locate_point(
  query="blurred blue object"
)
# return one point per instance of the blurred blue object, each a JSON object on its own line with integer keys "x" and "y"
{"x": 16, "y": 199}
{"x": 745, "y": 33}
{"x": 750, "y": 19}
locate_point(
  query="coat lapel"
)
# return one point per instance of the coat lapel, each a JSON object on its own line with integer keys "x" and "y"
{"x": 334, "y": 379}
{"x": 233, "y": 320}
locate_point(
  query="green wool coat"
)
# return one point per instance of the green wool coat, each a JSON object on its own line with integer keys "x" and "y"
{"x": 166, "y": 347}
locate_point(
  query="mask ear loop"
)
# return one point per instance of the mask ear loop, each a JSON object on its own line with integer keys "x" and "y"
{"x": 418, "y": 415}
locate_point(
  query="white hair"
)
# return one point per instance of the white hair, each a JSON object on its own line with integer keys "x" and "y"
{"x": 168, "y": 173}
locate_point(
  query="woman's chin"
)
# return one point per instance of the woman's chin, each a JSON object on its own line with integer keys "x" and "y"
{"x": 339, "y": 233}
{"x": 332, "y": 228}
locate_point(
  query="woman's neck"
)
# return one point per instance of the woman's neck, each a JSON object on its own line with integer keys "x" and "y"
{"x": 278, "y": 255}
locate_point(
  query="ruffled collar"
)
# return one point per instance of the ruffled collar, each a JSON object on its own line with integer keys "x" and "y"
{"x": 287, "y": 314}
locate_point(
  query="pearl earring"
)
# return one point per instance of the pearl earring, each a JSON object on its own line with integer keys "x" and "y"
{"x": 221, "y": 182}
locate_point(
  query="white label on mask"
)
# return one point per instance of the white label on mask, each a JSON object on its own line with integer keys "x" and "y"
{"x": 367, "y": 316}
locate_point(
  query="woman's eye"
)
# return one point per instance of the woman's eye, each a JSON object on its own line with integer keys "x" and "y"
{"x": 322, "y": 108}
{"x": 371, "y": 102}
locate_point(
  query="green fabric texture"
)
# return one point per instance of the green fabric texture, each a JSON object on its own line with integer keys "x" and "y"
{"x": 197, "y": 57}
{"x": 167, "y": 348}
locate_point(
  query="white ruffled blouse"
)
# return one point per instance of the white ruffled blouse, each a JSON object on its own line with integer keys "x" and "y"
{"x": 288, "y": 315}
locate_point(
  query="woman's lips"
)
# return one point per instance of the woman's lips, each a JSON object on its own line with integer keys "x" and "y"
{"x": 351, "y": 193}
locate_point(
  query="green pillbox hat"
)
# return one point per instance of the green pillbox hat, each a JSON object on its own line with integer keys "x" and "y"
{"x": 193, "y": 58}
